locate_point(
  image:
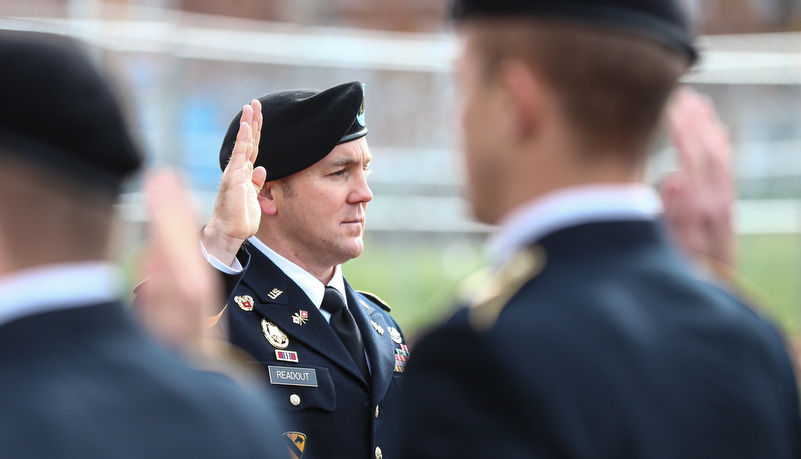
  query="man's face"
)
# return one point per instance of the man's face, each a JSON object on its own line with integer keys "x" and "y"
{"x": 322, "y": 208}
{"x": 481, "y": 133}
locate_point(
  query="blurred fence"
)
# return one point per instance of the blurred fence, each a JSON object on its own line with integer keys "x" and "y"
{"x": 186, "y": 75}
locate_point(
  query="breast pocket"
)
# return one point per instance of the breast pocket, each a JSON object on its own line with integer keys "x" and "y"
{"x": 307, "y": 396}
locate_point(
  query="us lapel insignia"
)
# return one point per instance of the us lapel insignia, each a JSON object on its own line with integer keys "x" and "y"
{"x": 300, "y": 318}
{"x": 286, "y": 356}
{"x": 274, "y": 334}
{"x": 395, "y": 335}
{"x": 275, "y": 293}
{"x": 245, "y": 302}
{"x": 377, "y": 327}
{"x": 401, "y": 357}
{"x": 296, "y": 442}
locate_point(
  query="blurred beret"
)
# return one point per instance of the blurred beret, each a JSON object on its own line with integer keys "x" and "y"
{"x": 59, "y": 114}
{"x": 661, "y": 20}
{"x": 302, "y": 126}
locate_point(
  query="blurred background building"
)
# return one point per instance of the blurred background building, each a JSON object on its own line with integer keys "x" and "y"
{"x": 185, "y": 67}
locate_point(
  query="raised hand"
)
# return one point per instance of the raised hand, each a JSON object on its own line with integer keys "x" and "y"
{"x": 698, "y": 199}
{"x": 236, "y": 213}
{"x": 182, "y": 290}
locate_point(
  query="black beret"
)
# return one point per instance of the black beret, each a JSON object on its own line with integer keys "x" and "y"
{"x": 58, "y": 113}
{"x": 661, "y": 20}
{"x": 302, "y": 126}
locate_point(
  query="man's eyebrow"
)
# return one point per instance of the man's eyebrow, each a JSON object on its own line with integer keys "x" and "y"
{"x": 346, "y": 162}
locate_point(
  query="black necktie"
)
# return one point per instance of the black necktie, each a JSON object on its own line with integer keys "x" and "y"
{"x": 345, "y": 327}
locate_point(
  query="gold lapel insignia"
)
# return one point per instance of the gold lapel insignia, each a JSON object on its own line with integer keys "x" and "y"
{"x": 300, "y": 318}
{"x": 274, "y": 334}
{"x": 296, "y": 442}
{"x": 275, "y": 293}
{"x": 395, "y": 335}
{"x": 245, "y": 302}
{"x": 377, "y": 327}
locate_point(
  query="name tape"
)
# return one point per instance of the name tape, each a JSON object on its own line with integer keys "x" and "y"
{"x": 292, "y": 376}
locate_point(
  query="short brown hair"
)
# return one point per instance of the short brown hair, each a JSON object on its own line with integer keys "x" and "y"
{"x": 45, "y": 219}
{"x": 612, "y": 85}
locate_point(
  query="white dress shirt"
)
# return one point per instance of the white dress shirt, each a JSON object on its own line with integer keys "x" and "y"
{"x": 570, "y": 207}
{"x": 58, "y": 286}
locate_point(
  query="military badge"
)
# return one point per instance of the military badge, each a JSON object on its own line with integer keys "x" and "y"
{"x": 395, "y": 335}
{"x": 377, "y": 327}
{"x": 274, "y": 334}
{"x": 245, "y": 302}
{"x": 369, "y": 309}
{"x": 275, "y": 293}
{"x": 296, "y": 442}
{"x": 286, "y": 356}
{"x": 401, "y": 357}
{"x": 300, "y": 318}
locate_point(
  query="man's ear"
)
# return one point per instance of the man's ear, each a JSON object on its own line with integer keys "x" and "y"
{"x": 525, "y": 96}
{"x": 267, "y": 198}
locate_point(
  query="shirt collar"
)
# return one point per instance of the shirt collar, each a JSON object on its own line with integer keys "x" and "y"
{"x": 58, "y": 286}
{"x": 310, "y": 285}
{"x": 570, "y": 207}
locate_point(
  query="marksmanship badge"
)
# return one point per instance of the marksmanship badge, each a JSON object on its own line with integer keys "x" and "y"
{"x": 274, "y": 334}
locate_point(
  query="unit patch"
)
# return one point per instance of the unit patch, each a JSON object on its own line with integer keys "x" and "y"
{"x": 296, "y": 442}
{"x": 274, "y": 334}
{"x": 293, "y": 376}
{"x": 401, "y": 357}
{"x": 286, "y": 356}
{"x": 245, "y": 302}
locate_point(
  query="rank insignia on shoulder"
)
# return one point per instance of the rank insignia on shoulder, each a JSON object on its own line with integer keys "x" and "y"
{"x": 395, "y": 335}
{"x": 275, "y": 293}
{"x": 401, "y": 357}
{"x": 377, "y": 327}
{"x": 296, "y": 442}
{"x": 245, "y": 302}
{"x": 286, "y": 356}
{"x": 274, "y": 334}
{"x": 300, "y": 318}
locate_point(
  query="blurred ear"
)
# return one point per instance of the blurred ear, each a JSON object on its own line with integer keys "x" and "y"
{"x": 524, "y": 91}
{"x": 267, "y": 198}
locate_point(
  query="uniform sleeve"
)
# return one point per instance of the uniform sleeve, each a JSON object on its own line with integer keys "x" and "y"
{"x": 458, "y": 401}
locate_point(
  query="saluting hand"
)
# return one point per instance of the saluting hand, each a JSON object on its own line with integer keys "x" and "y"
{"x": 236, "y": 213}
{"x": 698, "y": 199}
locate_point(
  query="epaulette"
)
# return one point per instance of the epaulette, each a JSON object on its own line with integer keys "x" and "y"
{"x": 493, "y": 295}
{"x": 376, "y": 300}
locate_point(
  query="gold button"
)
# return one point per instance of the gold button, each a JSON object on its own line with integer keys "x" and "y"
{"x": 294, "y": 399}
{"x": 376, "y": 411}
{"x": 378, "y": 453}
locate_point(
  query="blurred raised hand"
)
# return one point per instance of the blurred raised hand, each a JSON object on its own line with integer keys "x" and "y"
{"x": 698, "y": 199}
{"x": 182, "y": 290}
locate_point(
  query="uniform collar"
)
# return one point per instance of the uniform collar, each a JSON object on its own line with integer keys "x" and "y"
{"x": 58, "y": 286}
{"x": 570, "y": 207}
{"x": 311, "y": 286}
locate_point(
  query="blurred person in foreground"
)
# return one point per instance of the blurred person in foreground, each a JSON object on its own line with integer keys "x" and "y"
{"x": 592, "y": 339}
{"x": 79, "y": 378}
{"x": 333, "y": 355}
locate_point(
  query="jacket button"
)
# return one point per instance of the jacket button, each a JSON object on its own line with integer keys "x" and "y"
{"x": 294, "y": 399}
{"x": 376, "y": 411}
{"x": 378, "y": 453}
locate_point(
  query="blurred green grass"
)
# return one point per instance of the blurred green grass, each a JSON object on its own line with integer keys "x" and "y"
{"x": 418, "y": 276}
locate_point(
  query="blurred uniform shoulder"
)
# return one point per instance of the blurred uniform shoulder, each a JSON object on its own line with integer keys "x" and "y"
{"x": 376, "y": 300}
